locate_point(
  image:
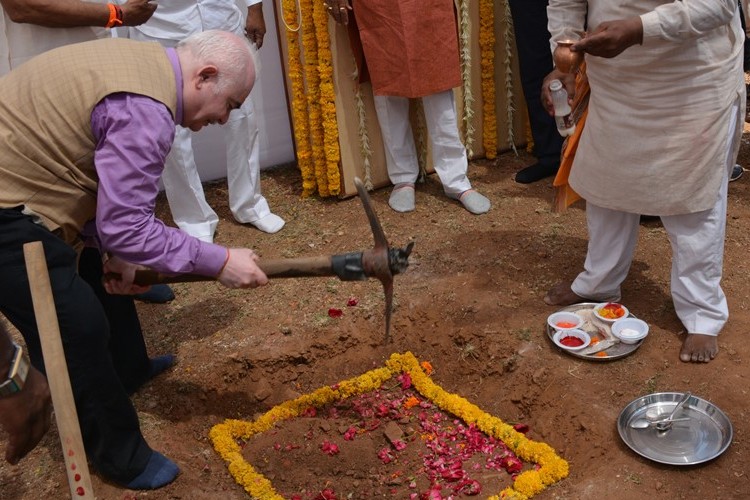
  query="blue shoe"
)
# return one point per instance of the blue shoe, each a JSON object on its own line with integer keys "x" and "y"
{"x": 158, "y": 294}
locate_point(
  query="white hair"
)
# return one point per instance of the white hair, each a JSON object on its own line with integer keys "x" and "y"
{"x": 231, "y": 54}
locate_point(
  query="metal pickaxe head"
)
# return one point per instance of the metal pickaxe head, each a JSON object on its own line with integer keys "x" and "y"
{"x": 382, "y": 262}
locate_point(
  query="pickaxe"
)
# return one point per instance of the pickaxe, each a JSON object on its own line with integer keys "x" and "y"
{"x": 381, "y": 262}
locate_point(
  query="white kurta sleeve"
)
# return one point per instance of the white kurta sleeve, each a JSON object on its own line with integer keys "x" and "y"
{"x": 684, "y": 19}
{"x": 565, "y": 14}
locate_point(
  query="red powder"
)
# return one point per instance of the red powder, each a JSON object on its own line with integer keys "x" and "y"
{"x": 571, "y": 341}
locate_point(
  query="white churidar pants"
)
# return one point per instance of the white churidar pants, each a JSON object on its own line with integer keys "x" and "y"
{"x": 183, "y": 187}
{"x": 182, "y": 184}
{"x": 697, "y": 241}
{"x": 448, "y": 153}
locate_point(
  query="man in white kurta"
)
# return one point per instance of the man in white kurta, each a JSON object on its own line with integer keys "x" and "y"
{"x": 661, "y": 138}
{"x": 173, "y": 21}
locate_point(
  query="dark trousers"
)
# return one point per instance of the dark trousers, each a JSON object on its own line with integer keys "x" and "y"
{"x": 101, "y": 337}
{"x": 535, "y": 62}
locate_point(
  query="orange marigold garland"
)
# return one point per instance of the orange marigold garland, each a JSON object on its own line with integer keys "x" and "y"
{"x": 550, "y": 467}
{"x": 299, "y": 104}
{"x": 312, "y": 90}
{"x": 327, "y": 100}
{"x": 487, "y": 65}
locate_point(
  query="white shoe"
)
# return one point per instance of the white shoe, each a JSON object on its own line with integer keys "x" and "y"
{"x": 271, "y": 223}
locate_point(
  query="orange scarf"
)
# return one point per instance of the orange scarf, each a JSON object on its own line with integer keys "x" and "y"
{"x": 564, "y": 194}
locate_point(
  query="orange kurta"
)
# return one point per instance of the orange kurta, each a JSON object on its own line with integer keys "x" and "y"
{"x": 410, "y": 46}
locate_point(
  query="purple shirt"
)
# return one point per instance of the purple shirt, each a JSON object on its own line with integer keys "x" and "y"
{"x": 134, "y": 134}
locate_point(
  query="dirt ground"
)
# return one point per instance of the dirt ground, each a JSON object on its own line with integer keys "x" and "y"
{"x": 470, "y": 303}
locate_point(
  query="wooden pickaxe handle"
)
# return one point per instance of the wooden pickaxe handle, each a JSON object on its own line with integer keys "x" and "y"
{"x": 66, "y": 415}
{"x": 273, "y": 268}
{"x": 348, "y": 267}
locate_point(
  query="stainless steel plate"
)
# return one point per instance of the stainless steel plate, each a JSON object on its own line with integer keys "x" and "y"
{"x": 705, "y": 436}
{"x": 617, "y": 351}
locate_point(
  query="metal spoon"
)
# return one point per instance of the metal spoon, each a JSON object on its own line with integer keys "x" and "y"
{"x": 662, "y": 424}
{"x": 666, "y": 424}
{"x": 644, "y": 423}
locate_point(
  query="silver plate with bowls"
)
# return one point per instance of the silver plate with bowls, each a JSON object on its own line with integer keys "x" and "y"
{"x": 595, "y": 331}
{"x": 702, "y": 433}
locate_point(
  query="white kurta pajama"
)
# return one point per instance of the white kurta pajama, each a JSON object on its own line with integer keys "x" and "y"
{"x": 411, "y": 49}
{"x": 173, "y": 21}
{"x": 661, "y": 135}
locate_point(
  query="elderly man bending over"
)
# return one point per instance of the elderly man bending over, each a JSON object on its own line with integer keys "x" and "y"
{"x": 84, "y": 131}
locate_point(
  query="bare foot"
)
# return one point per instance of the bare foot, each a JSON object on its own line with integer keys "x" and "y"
{"x": 562, "y": 295}
{"x": 699, "y": 348}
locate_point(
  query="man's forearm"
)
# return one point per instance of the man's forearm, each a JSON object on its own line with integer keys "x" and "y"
{"x": 57, "y": 13}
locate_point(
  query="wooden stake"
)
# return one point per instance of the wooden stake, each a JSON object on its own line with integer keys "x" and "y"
{"x": 66, "y": 416}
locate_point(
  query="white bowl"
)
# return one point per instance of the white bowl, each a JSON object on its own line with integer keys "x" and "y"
{"x": 561, "y": 334}
{"x": 610, "y": 320}
{"x": 630, "y": 330}
{"x": 554, "y": 319}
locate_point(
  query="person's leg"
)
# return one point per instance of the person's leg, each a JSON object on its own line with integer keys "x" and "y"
{"x": 395, "y": 127}
{"x": 612, "y": 239}
{"x": 535, "y": 63}
{"x": 697, "y": 262}
{"x": 108, "y": 421}
{"x": 448, "y": 152}
{"x": 247, "y": 203}
{"x": 184, "y": 189}
{"x": 697, "y": 259}
{"x": 126, "y": 343}
{"x": 400, "y": 151}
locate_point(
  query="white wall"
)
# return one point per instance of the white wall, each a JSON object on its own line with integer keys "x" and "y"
{"x": 269, "y": 97}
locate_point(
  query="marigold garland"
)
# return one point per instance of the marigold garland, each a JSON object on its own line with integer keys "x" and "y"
{"x": 487, "y": 65}
{"x": 312, "y": 92}
{"x": 327, "y": 98}
{"x": 224, "y": 436}
{"x": 299, "y": 104}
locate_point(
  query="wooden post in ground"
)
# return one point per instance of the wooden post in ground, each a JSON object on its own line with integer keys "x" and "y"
{"x": 66, "y": 416}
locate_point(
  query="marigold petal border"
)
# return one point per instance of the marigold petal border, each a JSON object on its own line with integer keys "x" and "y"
{"x": 224, "y": 436}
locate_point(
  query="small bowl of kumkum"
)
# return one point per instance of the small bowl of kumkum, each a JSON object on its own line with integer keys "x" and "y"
{"x": 572, "y": 340}
{"x": 609, "y": 312}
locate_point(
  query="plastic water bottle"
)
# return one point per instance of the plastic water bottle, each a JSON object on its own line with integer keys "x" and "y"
{"x": 563, "y": 118}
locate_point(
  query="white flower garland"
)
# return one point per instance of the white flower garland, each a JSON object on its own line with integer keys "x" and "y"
{"x": 465, "y": 52}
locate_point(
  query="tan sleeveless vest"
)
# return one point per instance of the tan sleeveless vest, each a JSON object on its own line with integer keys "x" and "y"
{"x": 46, "y": 143}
